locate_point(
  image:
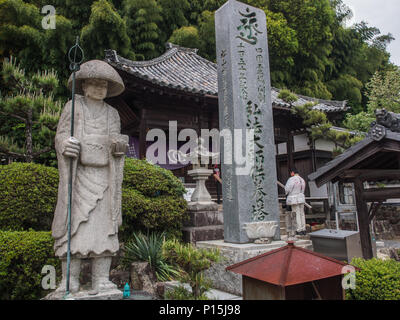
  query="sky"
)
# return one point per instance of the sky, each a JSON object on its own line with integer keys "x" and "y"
{"x": 383, "y": 14}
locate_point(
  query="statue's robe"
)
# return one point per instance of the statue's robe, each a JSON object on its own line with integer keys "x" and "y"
{"x": 96, "y": 183}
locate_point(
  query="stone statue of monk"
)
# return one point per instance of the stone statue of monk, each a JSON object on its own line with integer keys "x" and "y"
{"x": 97, "y": 149}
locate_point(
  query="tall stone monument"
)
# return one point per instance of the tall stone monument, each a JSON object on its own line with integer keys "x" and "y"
{"x": 245, "y": 103}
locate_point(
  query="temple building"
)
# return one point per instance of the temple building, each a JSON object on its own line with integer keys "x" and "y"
{"x": 182, "y": 86}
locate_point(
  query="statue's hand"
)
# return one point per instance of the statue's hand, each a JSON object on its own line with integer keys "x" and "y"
{"x": 71, "y": 147}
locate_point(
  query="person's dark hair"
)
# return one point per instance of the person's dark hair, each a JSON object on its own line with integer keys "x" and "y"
{"x": 294, "y": 170}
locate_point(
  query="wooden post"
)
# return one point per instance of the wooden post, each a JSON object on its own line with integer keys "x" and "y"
{"x": 290, "y": 149}
{"x": 363, "y": 220}
{"x": 142, "y": 135}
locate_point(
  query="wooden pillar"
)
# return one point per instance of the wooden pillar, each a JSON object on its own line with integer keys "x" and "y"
{"x": 313, "y": 157}
{"x": 142, "y": 135}
{"x": 363, "y": 220}
{"x": 289, "y": 150}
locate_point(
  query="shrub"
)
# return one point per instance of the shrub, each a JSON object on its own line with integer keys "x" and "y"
{"x": 22, "y": 257}
{"x": 287, "y": 96}
{"x": 191, "y": 262}
{"x": 151, "y": 180}
{"x": 152, "y": 200}
{"x": 376, "y": 280}
{"x": 28, "y": 196}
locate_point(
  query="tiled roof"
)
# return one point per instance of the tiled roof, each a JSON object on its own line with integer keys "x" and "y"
{"x": 183, "y": 69}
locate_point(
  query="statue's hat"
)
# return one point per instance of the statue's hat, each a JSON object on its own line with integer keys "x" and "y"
{"x": 97, "y": 69}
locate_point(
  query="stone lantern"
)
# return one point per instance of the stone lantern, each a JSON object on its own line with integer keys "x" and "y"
{"x": 206, "y": 221}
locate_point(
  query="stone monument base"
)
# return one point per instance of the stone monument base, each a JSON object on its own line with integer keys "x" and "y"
{"x": 113, "y": 294}
{"x": 232, "y": 253}
{"x": 205, "y": 222}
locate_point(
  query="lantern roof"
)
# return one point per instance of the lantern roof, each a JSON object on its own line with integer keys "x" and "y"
{"x": 289, "y": 265}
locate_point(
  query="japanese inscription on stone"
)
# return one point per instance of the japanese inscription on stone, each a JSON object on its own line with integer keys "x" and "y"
{"x": 245, "y": 103}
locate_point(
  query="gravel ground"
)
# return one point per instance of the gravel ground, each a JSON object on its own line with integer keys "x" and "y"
{"x": 392, "y": 243}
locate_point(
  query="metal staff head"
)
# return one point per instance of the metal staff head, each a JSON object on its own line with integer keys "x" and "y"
{"x": 73, "y": 53}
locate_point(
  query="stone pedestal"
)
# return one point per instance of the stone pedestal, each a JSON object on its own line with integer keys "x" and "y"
{"x": 200, "y": 175}
{"x": 232, "y": 253}
{"x": 113, "y": 294}
{"x": 205, "y": 222}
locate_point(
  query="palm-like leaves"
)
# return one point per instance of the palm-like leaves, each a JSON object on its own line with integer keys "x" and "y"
{"x": 149, "y": 248}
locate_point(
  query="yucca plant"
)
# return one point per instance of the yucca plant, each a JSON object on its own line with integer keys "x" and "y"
{"x": 149, "y": 248}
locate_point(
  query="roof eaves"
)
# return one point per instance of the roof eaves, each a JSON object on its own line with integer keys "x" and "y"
{"x": 340, "y": 158}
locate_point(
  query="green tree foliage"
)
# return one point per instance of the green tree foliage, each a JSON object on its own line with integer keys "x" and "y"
{"x": 383, "y": 91}
{"x": 186, "y": 37}
{"x": 142, "y": 19}
{"x": 318, "y": 123}
{"x": 174, "y": 14}
{"x": 282, "y": 45}
{"x": 22, "y": 36}
{"x": 76, "y": 11}
{"x": 29, "y": 99}
{"x": 106, "y": 29}
{"x": 206, "y": 26}
{"x": 358, "y": 51}
{"x": 360, "y": 121}
{"x": 311, "y": 20}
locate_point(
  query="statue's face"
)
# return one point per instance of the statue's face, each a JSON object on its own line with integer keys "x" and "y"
{"x": 95, "y": 88}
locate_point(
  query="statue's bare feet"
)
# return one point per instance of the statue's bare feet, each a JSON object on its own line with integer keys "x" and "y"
{"x": 102, "y": 285}
{"x": 73, "y": 287}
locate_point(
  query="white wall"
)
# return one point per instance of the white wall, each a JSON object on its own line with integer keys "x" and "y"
{"x": 324, "y": 145}
{"x": 301, "y": 143}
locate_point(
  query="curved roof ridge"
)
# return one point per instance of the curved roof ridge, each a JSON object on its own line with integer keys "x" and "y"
{"x": 147, "y": 63}
{"x": 183, "y": 69}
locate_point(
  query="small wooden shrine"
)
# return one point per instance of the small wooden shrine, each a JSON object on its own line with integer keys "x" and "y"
{"x": 290, "y": 273}
{"x": 367, "y": 164}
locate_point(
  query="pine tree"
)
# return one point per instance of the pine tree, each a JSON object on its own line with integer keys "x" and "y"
{"x": 28, "y": 100}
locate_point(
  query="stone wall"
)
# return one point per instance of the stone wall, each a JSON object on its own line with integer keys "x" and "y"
{"x": 387, "y": 222}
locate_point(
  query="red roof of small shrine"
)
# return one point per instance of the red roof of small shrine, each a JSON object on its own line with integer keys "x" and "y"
{"x": 288, "y": 266}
